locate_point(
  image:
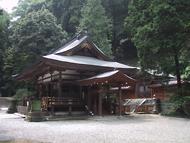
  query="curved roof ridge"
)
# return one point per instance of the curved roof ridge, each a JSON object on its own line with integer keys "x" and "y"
{"x": 74, "y": 40}
{"x": 87, "y": 61}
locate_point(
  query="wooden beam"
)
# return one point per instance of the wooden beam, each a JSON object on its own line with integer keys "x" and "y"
{"x": 77, "y": 76}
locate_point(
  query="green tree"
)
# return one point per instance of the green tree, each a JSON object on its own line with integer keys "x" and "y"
{"x": 186, "y": 74}
{"x": 97, "y": 24}
{"x": 160, "y": 31}
{"x": 25, "y": 6}
{"x": 4, "y": 24}
{"x": 123, "y": 49}
{"x": 33, "y": 35}
{"x": 67, "y": 12}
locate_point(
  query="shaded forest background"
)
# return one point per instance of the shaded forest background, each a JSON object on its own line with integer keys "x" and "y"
{"x": 153, "y": 35}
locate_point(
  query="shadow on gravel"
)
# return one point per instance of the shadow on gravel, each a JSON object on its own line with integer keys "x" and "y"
{"x": 20, "y": 141}
{"x": 127, "y": 119}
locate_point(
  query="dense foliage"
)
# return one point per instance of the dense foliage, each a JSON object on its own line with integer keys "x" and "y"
{"x": 21, "y": 93}
{"x": 160, "y": 30}
{"x": 4, "y": 43}
{"x": 95, "y": 21}
{"x": 67, "y": 12}
{"x": 35, "y": 34}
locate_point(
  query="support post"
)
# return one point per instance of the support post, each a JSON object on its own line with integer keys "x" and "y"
{"x": 46, "y": 89}
{"x": 100, "y": 105}
{"x": 95, "y": 105}
{"x": 120, "y": 98}
{"x": 59, "y": 86}
{"x": 52, "y": 110}
{"x": 88, "y": 98}
{"x": 40, "y": 91}
{"x": 51, "y": 95}
{"x": 70, "y": 110}
{"x": 70, "y": 106}
{"x": 80, "y": 92}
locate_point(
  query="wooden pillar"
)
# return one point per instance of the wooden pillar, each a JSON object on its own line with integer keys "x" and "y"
{"x": 88, "y": 98}
{"x": 52, "y": 110}
{"x": 70, "y": 107}
{"x": 95, "y": 104}
{"x": 40, "y": 91}
{"x": 51, "y": 85}
{"x": 151, "y": 93}
{"x": 120, "y": 99}
{"x": 49, "y": 90}
{"x": 137, "y": 85}
{"x": 80, "y": 92}
{"x": 89, "y": 101}
{"x": 100, "y": 105}
{"x": 46, "y": 89}
{"x": 100, "y": 102}
{"x": 59, "y": 86}
{"x": 51, "y": 95}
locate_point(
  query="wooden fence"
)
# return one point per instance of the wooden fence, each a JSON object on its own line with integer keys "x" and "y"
{"x": 22, "y": 110}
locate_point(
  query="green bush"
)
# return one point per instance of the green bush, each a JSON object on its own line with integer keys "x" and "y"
{"x": 36, "y": 105}
{"x": 178, "y": 101}
{"x": 181, "y": 104}
{"x": 21, "y": 93}
{"x": 186, "y": 106}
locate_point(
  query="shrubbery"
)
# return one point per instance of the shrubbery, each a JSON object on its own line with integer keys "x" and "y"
{"x": 181, "y": 100}
{"x": 21, "y": 93}
{"x": 186, "y": 105}
{"x": 181, "y": 105}
{"x": 18, "y": 98}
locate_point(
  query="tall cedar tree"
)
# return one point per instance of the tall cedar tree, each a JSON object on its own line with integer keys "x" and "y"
{"x": 123, "y": 49}
{"x": 4, "y": 24}
{"x": 95, "y": 21}
{"x": 68, "y": 13}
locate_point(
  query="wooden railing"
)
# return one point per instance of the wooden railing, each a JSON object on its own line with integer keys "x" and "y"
{"x": 48, "y": 102}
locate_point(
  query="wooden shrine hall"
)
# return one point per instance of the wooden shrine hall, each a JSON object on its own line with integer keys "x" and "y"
{"x": 78, "y": 77}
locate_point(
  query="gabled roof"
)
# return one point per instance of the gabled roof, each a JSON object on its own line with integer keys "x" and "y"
{"x": 76, "y": 44}
{"x": 71, "y": 56}
{"x": 111, "y": 77}
{"x": 70, "y": 45}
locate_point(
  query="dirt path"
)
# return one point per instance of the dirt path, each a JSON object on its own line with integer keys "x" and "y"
{"x": 129, "y": 129}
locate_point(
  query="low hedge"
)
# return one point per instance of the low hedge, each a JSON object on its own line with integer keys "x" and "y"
{"x": 181, "y": 104}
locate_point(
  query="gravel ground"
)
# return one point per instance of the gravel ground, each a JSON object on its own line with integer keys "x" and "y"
{"x": 109, "y": 129}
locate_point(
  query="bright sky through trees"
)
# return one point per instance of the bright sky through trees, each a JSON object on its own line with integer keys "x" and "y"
{"x": 8, "y": 5}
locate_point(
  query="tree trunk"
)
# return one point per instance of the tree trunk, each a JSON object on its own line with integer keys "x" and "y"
{"x": 177, "y": 68}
